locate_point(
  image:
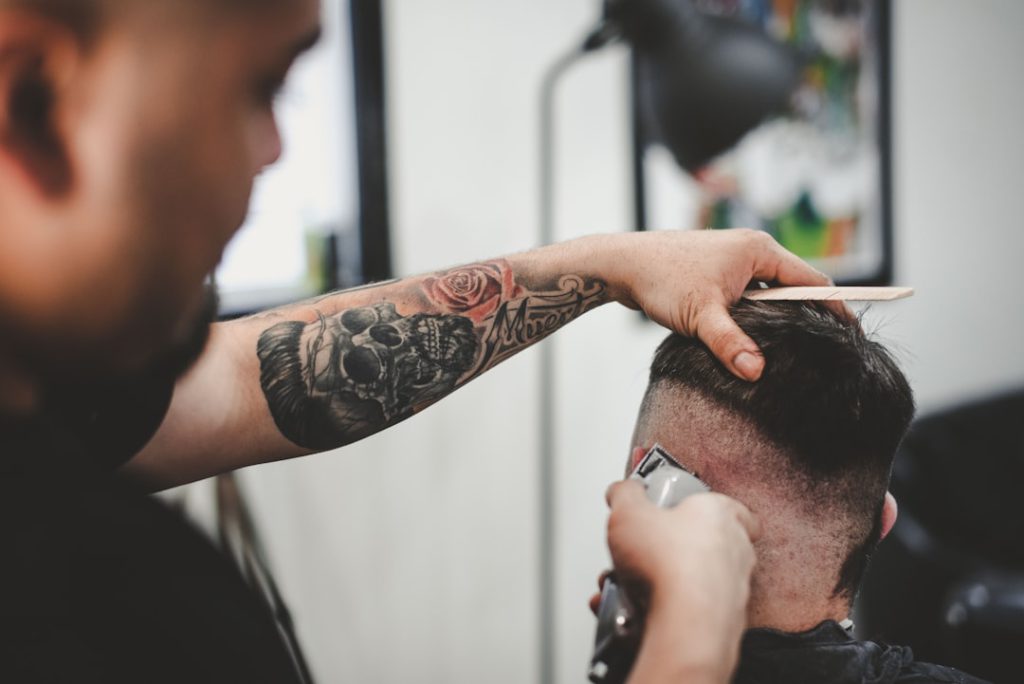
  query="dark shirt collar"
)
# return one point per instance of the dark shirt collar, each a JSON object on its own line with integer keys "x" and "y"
{"x": 826, "y": 653}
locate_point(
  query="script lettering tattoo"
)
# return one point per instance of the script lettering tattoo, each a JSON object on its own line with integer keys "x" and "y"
{"x": 520, "y": 323}
{"x": 348, "y": 375}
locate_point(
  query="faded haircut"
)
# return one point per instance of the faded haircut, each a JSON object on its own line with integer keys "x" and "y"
{"x": 832, "y": 400}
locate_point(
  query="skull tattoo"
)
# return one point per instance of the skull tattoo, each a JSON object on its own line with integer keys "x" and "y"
{"x": 346, "y": 376}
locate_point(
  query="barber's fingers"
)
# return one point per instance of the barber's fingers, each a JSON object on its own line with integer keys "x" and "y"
{"x": 712, "y": 510}
{"x": 743, "y": 515}
{"x": 716, "y": 328}
{"x": 751, "y": 523}
{"x": 595, "y": 600}
{"x": 624, "y": 493}
{"x": 630, "y": 493}
{"x": 775, "y": 263}
{"x": 733, "y": 347}
{"x": 779, "y": 265}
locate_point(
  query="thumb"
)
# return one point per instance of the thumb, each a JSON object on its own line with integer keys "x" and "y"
{"x": 750, "y": 522}
{"x": 624, "y": 492}
{"x": 730, "y": 344}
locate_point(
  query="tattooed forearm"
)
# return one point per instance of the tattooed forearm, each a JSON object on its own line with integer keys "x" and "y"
{"x": 518, "y": 324}
{"x": 344, "y": 377}
{"x": 509, "y": 317}
{"x": 347, "y": 375}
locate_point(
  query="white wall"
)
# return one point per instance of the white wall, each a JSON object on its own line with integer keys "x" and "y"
{"x": 412, "y": 556}
{"x": 959, "y": 179}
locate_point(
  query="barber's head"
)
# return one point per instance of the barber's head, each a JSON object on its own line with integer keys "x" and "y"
{"x": 809, "y": 447}
{"x": 130, "y": 135}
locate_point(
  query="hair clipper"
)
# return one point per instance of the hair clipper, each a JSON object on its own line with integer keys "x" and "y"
{"x": 620, "y": 617}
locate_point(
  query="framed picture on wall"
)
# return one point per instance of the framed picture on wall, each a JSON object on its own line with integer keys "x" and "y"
{"x": 819, "y": 178}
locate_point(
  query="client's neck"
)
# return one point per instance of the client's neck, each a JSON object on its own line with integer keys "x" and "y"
{"x": 793, "y": 587}
{"x": 793, "y": 608}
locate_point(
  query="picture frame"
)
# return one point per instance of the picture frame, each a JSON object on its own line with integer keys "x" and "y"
{"x": 819, "y": 179}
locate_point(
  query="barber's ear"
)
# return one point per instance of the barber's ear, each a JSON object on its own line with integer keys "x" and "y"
{"x": 888, "y": 514}
{"x": 38, "y": 59}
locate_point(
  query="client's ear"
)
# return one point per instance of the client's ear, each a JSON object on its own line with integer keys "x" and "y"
{"x": 635, "y": 457}
{"x": 888, "y": 514}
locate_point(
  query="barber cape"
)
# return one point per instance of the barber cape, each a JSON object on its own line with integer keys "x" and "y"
{"x": 828, "y": 653}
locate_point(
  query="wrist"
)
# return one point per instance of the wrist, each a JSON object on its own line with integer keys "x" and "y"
{"x": 607, "y": 257}
{"x": 686, "y": 637}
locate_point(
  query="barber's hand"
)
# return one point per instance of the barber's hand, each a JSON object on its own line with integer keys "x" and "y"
{"x": 697, "y": 560}
{"x": 704, "y": 543}
{"x": 686, "y": 280}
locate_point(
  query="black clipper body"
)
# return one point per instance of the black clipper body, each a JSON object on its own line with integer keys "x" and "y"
{"x": 620, "y": 617}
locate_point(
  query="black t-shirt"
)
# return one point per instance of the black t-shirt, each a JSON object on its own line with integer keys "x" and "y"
{"x": 100, "y": 583}
{"x": 829, "y": 654}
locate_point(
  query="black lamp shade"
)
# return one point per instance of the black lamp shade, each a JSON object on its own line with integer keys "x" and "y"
{"x": 705, "y": 81}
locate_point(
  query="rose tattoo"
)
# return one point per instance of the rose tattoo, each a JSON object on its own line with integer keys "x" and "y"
{"x": 474, "y": 291}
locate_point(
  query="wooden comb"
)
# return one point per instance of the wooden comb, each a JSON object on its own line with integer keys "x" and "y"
{"x": 826, "y": 294}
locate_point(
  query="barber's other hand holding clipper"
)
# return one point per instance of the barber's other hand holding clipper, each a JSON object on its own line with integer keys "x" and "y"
{"x": 695, "y": 560}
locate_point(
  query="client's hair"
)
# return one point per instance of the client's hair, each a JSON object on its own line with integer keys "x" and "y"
{"x": 831, "y": 400}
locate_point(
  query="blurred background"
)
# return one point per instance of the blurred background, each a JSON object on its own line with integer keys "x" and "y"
{"x": 415, "y": 555}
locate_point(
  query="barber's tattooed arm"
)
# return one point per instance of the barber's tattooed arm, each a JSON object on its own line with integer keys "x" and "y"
{"x": 320, "y": 374}
{"x": 341, "y": 373}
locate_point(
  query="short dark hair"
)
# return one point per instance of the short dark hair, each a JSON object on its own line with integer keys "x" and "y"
{"x": 832, "y": 399}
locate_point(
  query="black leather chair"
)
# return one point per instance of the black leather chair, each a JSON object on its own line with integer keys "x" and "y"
{"x": 949, "y": 581}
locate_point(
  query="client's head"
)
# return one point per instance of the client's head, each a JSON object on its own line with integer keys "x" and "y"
{"x": 808, "y": 448}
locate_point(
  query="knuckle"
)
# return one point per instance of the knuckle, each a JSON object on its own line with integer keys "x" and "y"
{"x": 742, "y": 234}
{"x": 765, "y": 239}
{"x": 690, "y": 313}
